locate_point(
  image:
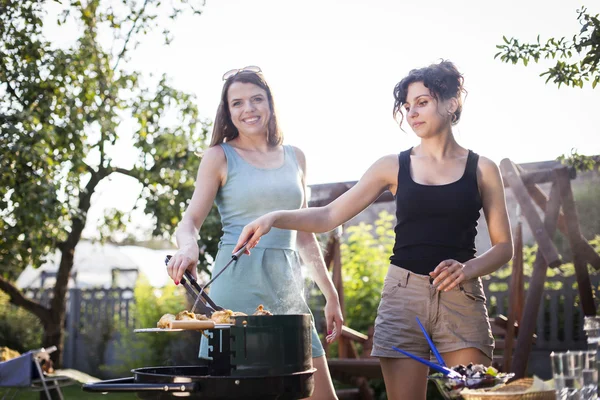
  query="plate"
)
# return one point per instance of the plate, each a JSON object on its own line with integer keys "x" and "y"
{"x": 450, "y": 388}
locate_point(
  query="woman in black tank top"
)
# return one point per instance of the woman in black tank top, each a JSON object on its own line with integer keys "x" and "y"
{"x": 434, "y": 275}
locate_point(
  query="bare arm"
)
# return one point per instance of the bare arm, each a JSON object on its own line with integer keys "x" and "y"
{"x": 379, "y": 177}
{"x": 450, "y": 273}
{"x": 211, "y": 175}
{"x": 496, "y": 216}
{"x": 310, "y": 251}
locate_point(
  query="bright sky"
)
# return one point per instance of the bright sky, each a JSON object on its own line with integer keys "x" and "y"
{"x": 332, "y": 66}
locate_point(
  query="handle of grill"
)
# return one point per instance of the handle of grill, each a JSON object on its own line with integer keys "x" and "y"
{"x": 128, "y": 385}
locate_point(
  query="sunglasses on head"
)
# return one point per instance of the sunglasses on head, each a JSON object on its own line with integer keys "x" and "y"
{"x": 233, "y": 72}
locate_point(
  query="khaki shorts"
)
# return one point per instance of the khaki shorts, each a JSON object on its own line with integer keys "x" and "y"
{"x": 454, "y": 320}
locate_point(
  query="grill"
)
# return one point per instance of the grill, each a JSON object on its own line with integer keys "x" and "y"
{"x": 258, "y": 357}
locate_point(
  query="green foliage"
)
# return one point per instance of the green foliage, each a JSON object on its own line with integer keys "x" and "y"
{"x": 143, "y": 349}
{"x": 365, "y": 258}
{"x": 529, "y": 255}
{"x": 568, "y": 70}
{"x": 578, "y": 161}
{"x": 61, "y": 115}
{"x": 587, "y": 200}
{"x": 75, "y": 392}
{"x": 19, "y": 329}
{"x": 65, "y": 112}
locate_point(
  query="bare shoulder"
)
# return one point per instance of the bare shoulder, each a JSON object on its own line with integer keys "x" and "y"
{"x": 385, "y": 171}
{"x": 214, "y": 154}
{"x": 300, "y": 157}
{"x": 387, "y": 165}
{"x": 488, "y": 176}
{"x": 299, "y": 154}
{"x": 390, "y": 160}
{"x": 214, "y": 163}
{"x": 487, "y": 168}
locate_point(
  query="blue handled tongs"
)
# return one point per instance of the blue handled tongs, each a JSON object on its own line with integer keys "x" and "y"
{"x": 444, "y": 370}
{"x": 441, "y": 366}
{"x": 434, "y": 349}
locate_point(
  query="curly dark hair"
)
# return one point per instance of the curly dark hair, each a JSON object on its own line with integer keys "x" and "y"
{"x": 443, "y": 81}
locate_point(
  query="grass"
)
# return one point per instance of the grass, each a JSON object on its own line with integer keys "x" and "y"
{"x": 74, "y": 392}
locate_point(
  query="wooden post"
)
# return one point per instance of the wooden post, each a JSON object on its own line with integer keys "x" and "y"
{"x": 515, "y": 299}
{"x": 545, "y": 244}
{"x": 536, "y": 291}
{"x": 574, "y": 235}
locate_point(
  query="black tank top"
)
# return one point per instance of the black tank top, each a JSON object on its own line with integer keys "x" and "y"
{"x": 435, "y": 223}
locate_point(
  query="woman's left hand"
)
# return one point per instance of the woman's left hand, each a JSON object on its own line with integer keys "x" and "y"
{"x": 448, "y": 274}
{"x": 334, "y": 318}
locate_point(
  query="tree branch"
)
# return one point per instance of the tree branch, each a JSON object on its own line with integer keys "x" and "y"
{"x": 68, "y": 248}
{"x": 17, "y": 298}
{"x": 129, "y": 34}
{"x": 129, "y": 172}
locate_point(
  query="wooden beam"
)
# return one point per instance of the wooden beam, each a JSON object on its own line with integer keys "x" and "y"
{"x": 545, "y": 244}
{"x": 574, "y": 235}
{"x": 515, "y": 306}
{"x": 367, "y": 367}
{"x": 540, "y": 198}
{"x": 540, "y": 176}
{"x": 354, "y": 335}
{"x": 535, "y": 292}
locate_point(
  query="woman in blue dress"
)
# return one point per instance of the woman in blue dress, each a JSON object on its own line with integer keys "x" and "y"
{"x": 247, "y": 172}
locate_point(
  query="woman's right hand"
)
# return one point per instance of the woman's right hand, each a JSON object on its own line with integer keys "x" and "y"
{"x": 252, "y": 232}
{"x": 185, "y": 258}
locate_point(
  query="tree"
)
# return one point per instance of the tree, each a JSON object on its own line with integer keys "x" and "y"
{"x": 568, "y": 70}
{"x": 60, "y": 116}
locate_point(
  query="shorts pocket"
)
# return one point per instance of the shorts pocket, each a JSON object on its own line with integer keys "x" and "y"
{"x": 390, "y": 287}
{"x": 472, "y": 290}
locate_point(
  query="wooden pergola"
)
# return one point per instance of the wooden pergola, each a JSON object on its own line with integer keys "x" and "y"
{"x": 559, "y": 212}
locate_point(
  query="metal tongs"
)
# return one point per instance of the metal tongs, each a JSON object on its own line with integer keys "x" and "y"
{"x": 202, "y": 301}
{"x": 441, "y": 366}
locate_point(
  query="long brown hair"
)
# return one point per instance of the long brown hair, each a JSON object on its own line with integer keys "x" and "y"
{"x": 224, "y": 130}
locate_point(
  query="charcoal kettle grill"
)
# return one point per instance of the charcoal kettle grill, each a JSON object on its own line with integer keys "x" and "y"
{"x": 257, "y": 357}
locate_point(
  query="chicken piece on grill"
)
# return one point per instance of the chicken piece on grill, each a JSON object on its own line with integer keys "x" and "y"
{"x": 260, "y": 310}
{"x": 163, "y": 322}
{"x": 222, "y": 317}
{"x": 202, "y": 317}
{"x": 185, "y": 315}
{"x": 238, "y": 314}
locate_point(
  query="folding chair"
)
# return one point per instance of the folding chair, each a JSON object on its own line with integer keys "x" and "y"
{"x": 25, "y": 373}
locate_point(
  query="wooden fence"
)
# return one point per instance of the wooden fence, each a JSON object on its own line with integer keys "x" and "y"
{"x": 94, "y": 314}
{"x": 559, "y": 324}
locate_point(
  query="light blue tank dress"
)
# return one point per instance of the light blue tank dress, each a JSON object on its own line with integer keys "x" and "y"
{"x": 271, "y": 274}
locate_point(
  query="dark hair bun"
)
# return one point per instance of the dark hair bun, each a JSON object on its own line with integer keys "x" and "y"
{"x": 443, "y": 81}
